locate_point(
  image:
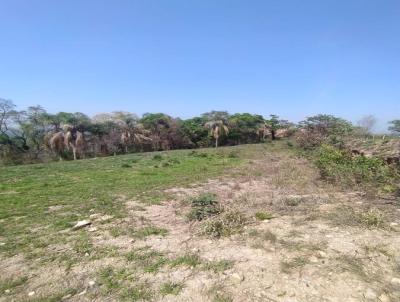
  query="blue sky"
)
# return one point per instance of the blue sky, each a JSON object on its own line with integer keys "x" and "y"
{"x": 293, "y": 58}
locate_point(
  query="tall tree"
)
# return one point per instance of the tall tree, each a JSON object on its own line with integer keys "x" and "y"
{"x": 217, "y": 129}
{"x": 395, "y": 126}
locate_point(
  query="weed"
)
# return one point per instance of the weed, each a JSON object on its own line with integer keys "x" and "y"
{"x": 218, "y": 266}
{"x": 203, "y": 206}
{"x": 292, "y": 201}
{"x": 373, "y": 218}
{"x": 263, "y": 216}
{"x": 139, "y": 292}
{"x": 148, "y": 260}
{"x": 125, "y": 165}
{"x": 298, "y": 262}
{"x": 11, "y": 284}
{"x": 157, "y": 157}
{"x": 149, "y": 231}
{"x": 171, "y": 288}
{"x": 229, "y": 223}
{"x": 191, "y": 260}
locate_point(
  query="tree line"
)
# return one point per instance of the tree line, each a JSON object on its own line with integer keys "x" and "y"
{"x": 34, "y": 135}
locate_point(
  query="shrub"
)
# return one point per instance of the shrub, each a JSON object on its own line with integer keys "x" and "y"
{"x": 231, "y": 222}
{"x": 203, "y": 206}
{"x": 340, "y": 166}
{"x": 157, "y": 157}
{"x": 263, "y": 216}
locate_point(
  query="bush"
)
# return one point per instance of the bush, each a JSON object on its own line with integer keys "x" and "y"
{"x": 204, "y": 206}
{"x": 263, "y": 216}
{"x": 340, "y": 166}
{"x": 231, "y": 222}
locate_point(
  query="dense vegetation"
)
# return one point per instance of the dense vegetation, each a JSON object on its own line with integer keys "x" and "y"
{"x": 34, "y": 135}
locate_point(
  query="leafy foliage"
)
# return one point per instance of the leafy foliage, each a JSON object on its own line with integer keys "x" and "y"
{"x": 340, "y": 166}
{"x": 204, "y": 206}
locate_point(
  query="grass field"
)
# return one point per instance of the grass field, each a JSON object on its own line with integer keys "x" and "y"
{"x": 275, "y": 219}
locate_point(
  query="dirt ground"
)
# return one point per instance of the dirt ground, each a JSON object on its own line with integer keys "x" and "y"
{"x": 318, "y": 244}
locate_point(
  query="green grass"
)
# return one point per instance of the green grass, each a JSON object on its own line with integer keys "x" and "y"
{"x": 171, "y": 288}
{"x": 190, "y": 260}
{"x": 149, "y": 231}
{"x": 29, "y": 193}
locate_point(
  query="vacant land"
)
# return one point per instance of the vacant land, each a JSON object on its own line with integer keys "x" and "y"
{"x": 244, "y": 223}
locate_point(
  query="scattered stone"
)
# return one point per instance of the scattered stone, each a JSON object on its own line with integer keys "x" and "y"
{"x": 238, "y": 277}
{"x": 322, "y": 254}
{"x": 394, "y": 224}
{"x": 92, "y": 229}
{"x": 370, "y": 294}
{"x": 313, "y": 259}
{"x": 2, "y": 243}
{"x": 86, "y": 254}
{"x": 7, "y": 291}
{"x": 384, "y": 298}
{"x": 395, "y": 281}
{"x": 91, "y": 283}
{"x": 106, "y": 217}
{"x": 66, "y": 297}
{"x": 82, "y": 293}
{"x": 94, "y": 215}
{"x": 81, "y": 224}
{"x": 30, "y": 294}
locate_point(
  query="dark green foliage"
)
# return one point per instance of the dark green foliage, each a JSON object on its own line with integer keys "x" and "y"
{"x": 204, "y": 206}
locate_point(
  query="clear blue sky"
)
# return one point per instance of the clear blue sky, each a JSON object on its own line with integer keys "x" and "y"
{"x": 293, "y": 58}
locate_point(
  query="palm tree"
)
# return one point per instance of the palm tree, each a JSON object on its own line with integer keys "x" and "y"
{"x": 217, "y": 129}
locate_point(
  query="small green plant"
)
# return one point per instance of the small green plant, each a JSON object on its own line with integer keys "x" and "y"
{"x": 219, "y": 266}
{"x": 204, "y": 206}
{"x": 373, "y": 218}
{"x": 191, "y": 260}
{"x": 149, "y": 231}
{"x": 157, "y": 157}
{"x": 233, "y": 154}
{"x": 10, "y": 284}
{"x": 292, "y": 201}
{"x": 171, "y": 288}
{"x": 263, "y": 216}
{"x": 298, "y": 262}
{"x": 125, "y": 165}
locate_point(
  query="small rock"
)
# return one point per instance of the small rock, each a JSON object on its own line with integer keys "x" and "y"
{"x": 30, "y": 294}
{"x": 2, "y": 243}
{"x": 82, "y": 293}
{"x": 94, "y": 215}
{"x": 92, "y": 229}
{"x": 106, "y": 217}
{"x": 86, "y": 254}
{"x": 7, "y": 291}
{"x": 384, "y": 298}
{"x": 395, "y": 281}
{"x": 370, "y": 294}
{"x": 313, "y": 259}
{"x": 322, "y": 254}
{"x": 66, "y": 297}
{"x": 91, "y": 283}
{"x": 394, "y": 224}
{"x": 238, "y": 276}
{"x": 81, "y": 224}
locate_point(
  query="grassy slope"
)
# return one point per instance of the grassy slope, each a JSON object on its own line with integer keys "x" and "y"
{"x": 28, "y": 192}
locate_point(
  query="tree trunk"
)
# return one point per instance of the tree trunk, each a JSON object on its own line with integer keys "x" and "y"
{"x": 216, "y": 143}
